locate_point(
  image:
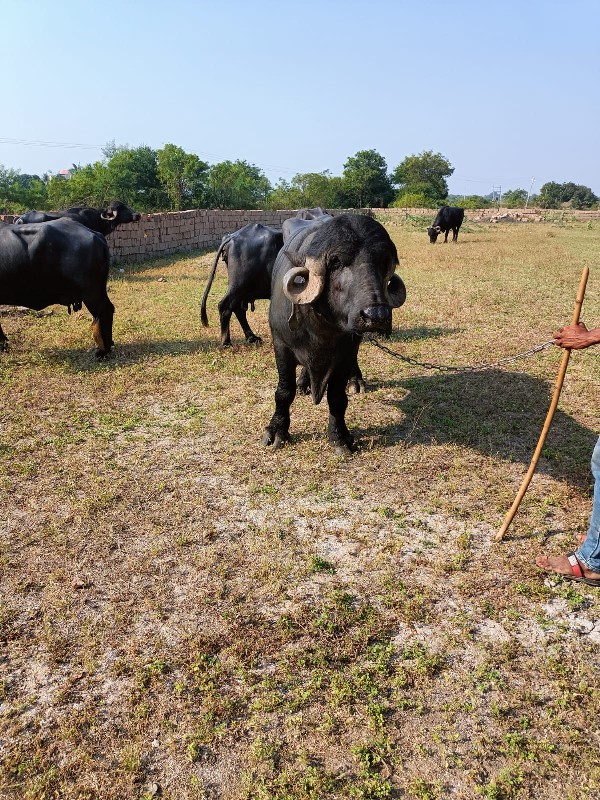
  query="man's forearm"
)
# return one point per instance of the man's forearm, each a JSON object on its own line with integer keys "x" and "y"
{"x": 594, "y": 336}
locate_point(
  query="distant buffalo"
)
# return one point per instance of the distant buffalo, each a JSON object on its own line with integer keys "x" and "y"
{"x": 448, "y": 218}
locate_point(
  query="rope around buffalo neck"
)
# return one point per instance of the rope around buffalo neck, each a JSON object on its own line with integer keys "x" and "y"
{"x": 466, "y": 368}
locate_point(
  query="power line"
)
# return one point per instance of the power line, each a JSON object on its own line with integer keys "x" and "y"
{"x": 42, "y": 143}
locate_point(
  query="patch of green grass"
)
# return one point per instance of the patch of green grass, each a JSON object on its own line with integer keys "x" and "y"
{"x": 318, "y": 564}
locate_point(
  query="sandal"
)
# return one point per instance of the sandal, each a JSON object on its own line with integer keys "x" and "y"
{"x": 578, "y": 575}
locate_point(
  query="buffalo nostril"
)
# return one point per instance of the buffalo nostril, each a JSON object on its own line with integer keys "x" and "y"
{"x": 379, "y": 313}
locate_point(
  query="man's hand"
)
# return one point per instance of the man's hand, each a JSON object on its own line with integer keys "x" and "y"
{"x": 577, "y": 337}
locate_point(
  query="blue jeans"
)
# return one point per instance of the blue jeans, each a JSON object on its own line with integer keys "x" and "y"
{"x": 589, "y": 552}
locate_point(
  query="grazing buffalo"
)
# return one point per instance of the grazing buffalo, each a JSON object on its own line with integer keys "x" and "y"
{"x": 448, "y": 218}
{"x": 249, "y": 255}
{"x": 331, "y": 283}
{"x": 60, "y": 262}
{"x": 101, "y": 220}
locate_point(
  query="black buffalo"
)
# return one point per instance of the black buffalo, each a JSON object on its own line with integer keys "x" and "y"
{"x": 101, "y": 220}
{"x": 303, "y": 220}
{"x": 59, "y": 261}
{"x": 448, "y": 218}
{"x": 249, "y": 255}
{"x": 331, "y": 283}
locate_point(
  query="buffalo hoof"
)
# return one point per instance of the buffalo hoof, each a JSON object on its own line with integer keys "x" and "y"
{"x": 102, "y": 354}
{"x": 254, "y": 339}
{"x": 277, "y": 440}
{"x": 3, "y": 345}
{"x": 344, "y": 449}
{"x": 225, "y": 345}
{"x": 356, "y": 386}
{"x": 343, "y": 444}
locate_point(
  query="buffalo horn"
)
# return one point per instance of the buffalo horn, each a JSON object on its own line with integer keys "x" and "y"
{"x": 396, "y": 291}
{"x": 108, "y": 213}
{"x": 304, "y": 284}
{"x": 437, "y": 228}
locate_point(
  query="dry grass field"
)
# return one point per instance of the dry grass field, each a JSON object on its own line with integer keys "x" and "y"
{"x": 186, "y": 614}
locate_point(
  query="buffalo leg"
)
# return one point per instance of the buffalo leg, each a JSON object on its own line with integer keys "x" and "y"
{"x": 240, "y": 313}
{"x": 446, "y": 236}
{"x": 337, "y": 400}
{"x": 277, "y": 431}
{"x": 3, "y": 340}
{"x": 231, "y": 305}
{"x": 224, "y": 318}
{"x": 454, "y": 234}
{"x": 102, "y": 310}
{"x": 356, "y": 383}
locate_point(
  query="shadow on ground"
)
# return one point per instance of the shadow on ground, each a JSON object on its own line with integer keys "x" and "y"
{"x": 83, "y": 359}
{"x": 498, "y": 413}
{"x": 415, "y": 334}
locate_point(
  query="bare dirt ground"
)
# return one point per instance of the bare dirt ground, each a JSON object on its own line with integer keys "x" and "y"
{"x": 185, "y": 614}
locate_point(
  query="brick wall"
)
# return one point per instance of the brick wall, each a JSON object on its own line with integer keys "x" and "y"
{"x": 178, "y": 231}
{"x": 175, "y": 231}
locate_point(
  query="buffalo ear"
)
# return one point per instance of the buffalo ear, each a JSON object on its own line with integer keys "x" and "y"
{"x": 297, "y": 259}
{"x": 396, "y": 291}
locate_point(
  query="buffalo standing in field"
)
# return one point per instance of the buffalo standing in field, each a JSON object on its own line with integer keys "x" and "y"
{"x": 249, "y": 254}
{"x": 59, "y": 261}
{"x": 101, "y": 220}
{"x": 449, "y": 218}
{"x": 332, "y": 283}
{"x": 304, "y": 220}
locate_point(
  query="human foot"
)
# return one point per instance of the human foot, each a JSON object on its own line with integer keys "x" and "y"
{"x": 569, "y": 567}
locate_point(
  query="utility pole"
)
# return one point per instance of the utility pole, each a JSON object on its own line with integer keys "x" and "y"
{"x": 529, "y": 192}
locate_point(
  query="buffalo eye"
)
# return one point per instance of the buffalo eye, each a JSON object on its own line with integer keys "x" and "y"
{"x": 334, "y": 263}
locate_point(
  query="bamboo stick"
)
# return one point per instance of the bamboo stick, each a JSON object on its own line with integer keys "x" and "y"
{"x": 557, "y": 389}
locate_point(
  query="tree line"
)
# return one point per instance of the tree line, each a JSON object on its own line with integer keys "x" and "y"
{"x": 169, "y": 179}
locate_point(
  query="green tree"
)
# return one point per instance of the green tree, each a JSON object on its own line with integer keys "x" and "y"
{"x": 132, "y": 176}
{"x": 87, "y": 186}
{"x": 583, "y": 197}
{"x": 307, "y": 190}
{"x": 472, "y": 201}
{"x": 183, "y": 176}
{"x": 412, "y": 199}
{"x": 514, "y": 198}
{"x": 237, "y": 184}
{"x": 10, "y": 191}
{"x": 551, "y": 195}
{"x": 365, "y": 180}
{"x": 425, "y": 174}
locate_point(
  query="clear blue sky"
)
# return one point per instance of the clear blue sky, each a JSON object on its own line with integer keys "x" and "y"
{"x": 505, "y": 90}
